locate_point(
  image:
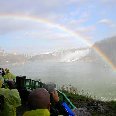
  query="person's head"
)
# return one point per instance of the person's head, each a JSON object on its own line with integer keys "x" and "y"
{"x": 11, "y": 84}
{"x": 50, "y": 87}
{"x": 39, "y": 99}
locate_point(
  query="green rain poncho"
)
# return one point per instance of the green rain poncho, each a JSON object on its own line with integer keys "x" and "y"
{"x": 1, "y": 79}
{"x": 11, "y": 101}
{"x": 9, "y": 76}
{"x": 38, "y": 112}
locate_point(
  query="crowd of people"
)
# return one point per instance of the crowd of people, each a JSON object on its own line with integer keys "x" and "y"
{"x": 41, "y": 101}
{"x": 9, "y": 96}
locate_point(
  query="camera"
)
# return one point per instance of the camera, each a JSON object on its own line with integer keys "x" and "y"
{"x": 50, "y": 87}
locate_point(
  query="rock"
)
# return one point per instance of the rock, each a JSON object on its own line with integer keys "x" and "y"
{"x": 81, "y": 112}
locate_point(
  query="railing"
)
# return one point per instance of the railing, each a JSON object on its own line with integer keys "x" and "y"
{"x": 29, "y": 84}
{"x": 66, "y": 99}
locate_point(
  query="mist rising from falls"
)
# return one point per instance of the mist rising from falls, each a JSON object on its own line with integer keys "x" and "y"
{"x": 74, "y": 56}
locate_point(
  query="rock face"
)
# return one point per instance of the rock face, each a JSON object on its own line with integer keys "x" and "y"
{"x": 108, "y": 47}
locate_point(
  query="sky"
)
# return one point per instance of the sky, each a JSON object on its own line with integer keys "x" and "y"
{"x": 37, "y": 26}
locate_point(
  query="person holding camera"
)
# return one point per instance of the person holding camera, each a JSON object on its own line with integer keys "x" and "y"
{"x": 57, "y": 107}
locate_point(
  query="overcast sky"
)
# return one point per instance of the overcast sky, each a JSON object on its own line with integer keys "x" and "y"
{"x": 35, "y": 26}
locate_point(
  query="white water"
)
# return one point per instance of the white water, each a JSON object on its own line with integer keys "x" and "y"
{"x": 97, "y": 79}
{"x": 74, "y": 56}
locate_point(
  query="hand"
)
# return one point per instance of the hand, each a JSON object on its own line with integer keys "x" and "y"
{"x": 55, "y": 96}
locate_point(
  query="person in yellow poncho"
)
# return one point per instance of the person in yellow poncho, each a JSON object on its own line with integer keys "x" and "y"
{"x": 39, "y": 102}
{"x": 11, "y": 101}
{"x": 8, "y": 75}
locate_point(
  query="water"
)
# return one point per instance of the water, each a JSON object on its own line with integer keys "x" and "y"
{"x": 97, "y": 79}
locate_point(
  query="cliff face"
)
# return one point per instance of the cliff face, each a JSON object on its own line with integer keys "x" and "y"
{"x": 108, "y": 47}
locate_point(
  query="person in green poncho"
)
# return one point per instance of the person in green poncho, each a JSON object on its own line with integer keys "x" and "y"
{"x": 11, "y": 101}
{"x": 8, "y": 75}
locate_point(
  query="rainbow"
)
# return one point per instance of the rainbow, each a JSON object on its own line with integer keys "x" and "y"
{"x": 62, "y": 28}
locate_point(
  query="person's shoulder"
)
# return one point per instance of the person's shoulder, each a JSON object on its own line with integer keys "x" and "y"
{"x": 14, "y": 90}
{"x": 37, "y": 112}
{"x": 8, "y": 92}
{"x": 4, "y": 89}
{"x": 4, "y": 92}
